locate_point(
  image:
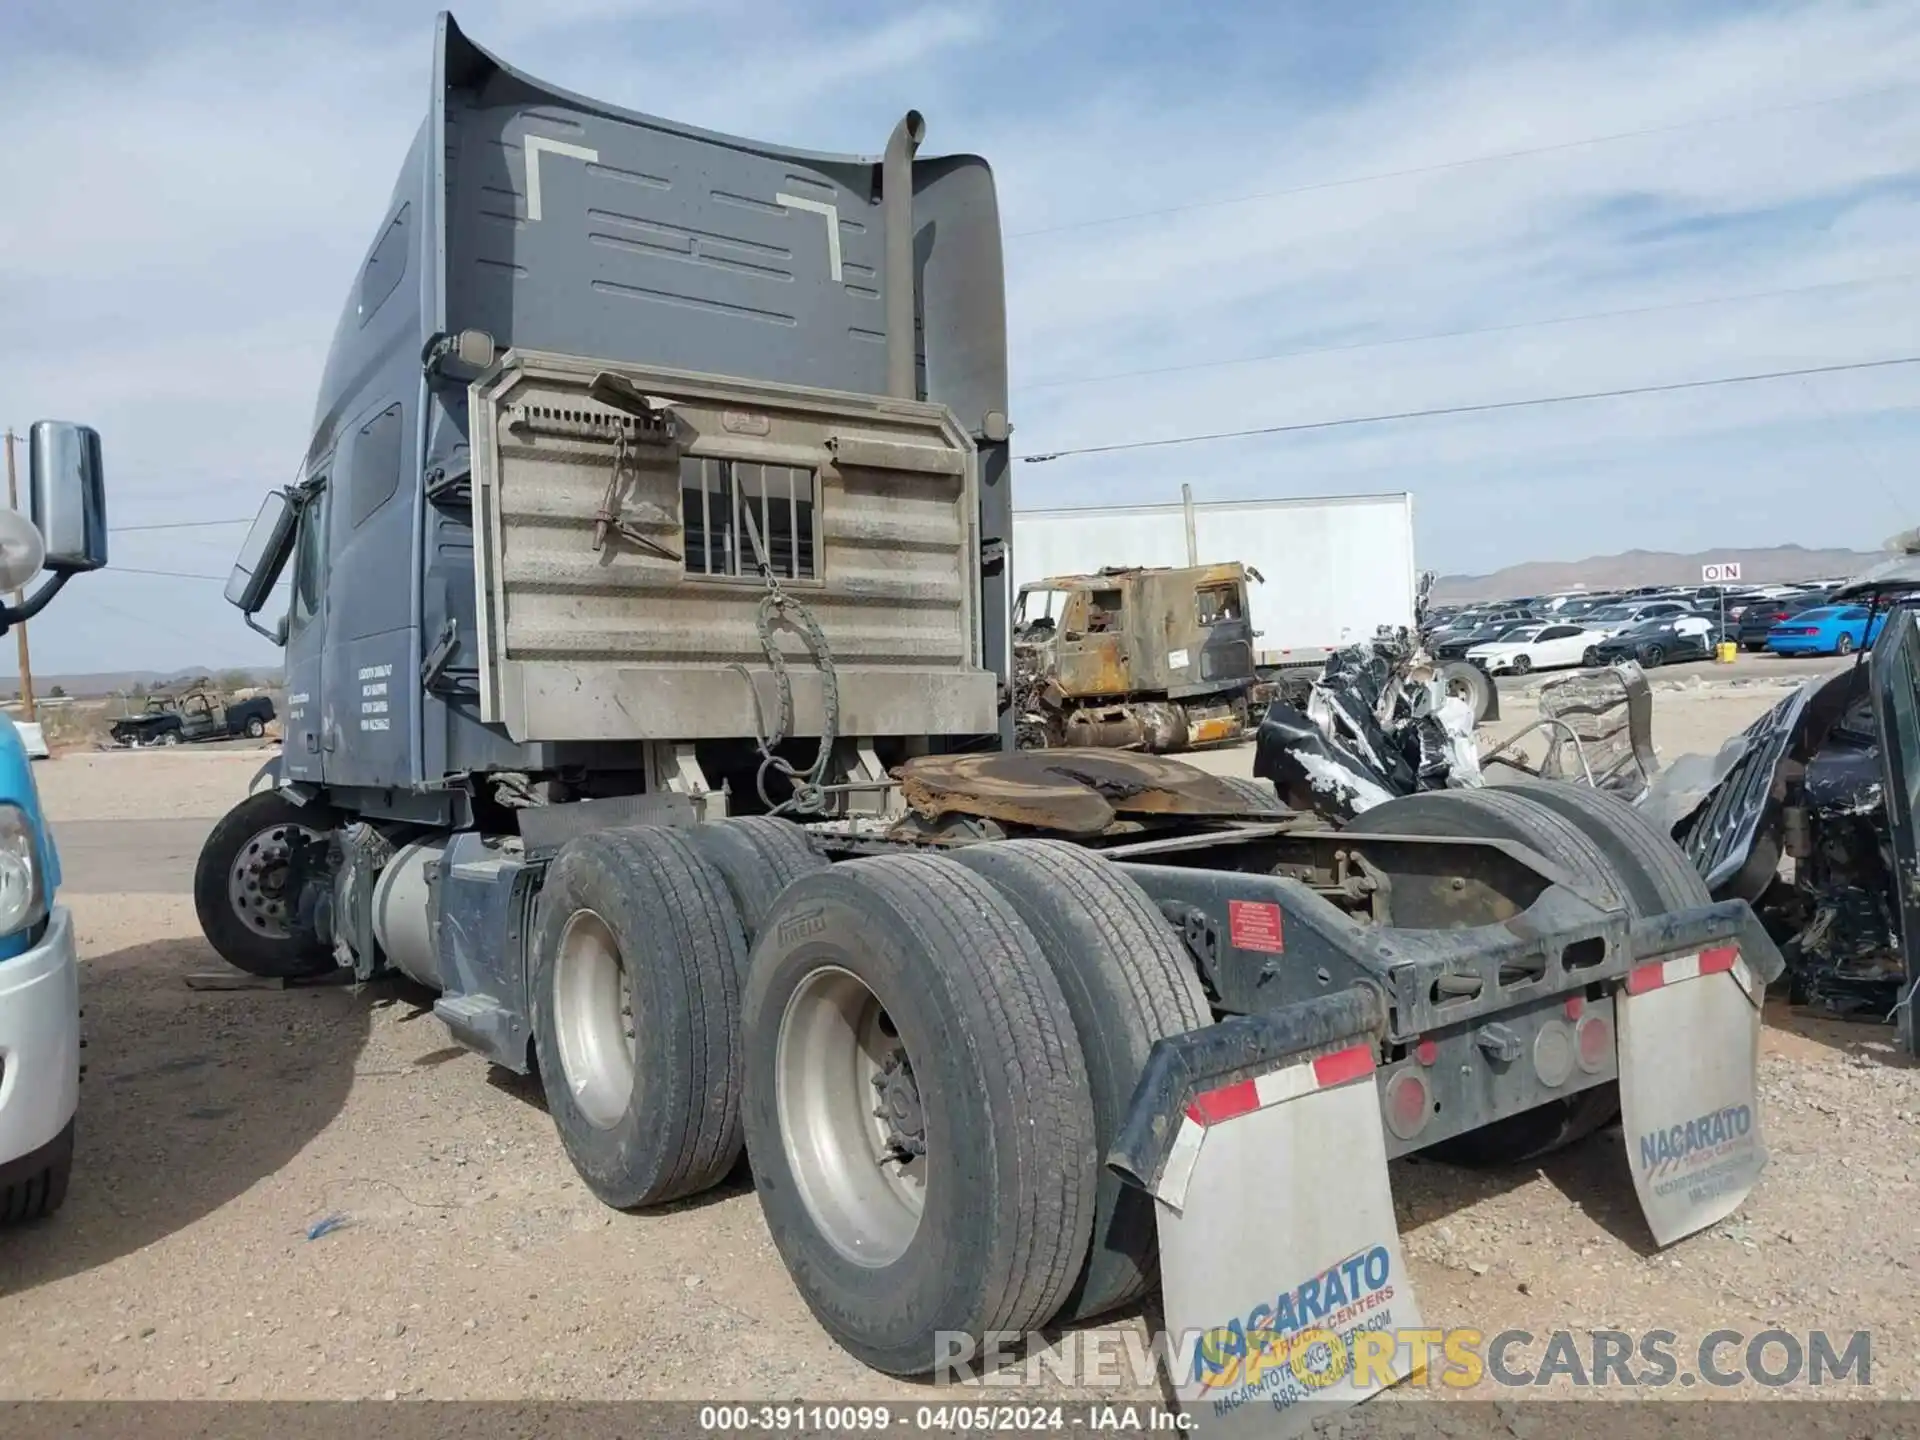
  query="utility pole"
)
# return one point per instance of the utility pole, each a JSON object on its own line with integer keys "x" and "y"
{"x": 20, "y": 630}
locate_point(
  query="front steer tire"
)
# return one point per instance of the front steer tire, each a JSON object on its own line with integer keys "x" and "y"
{"x": 672, "y": 1127}
{"x": 999, "y": 1086}
{"x": 291, "y": 956}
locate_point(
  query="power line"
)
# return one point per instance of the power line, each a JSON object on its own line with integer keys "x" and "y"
{"x": 1479, "y": 409}
{"x": 169, "y": 574}
{"x": 179, "y": 525}
{"x": 1488, "y": 159}
{"x": 1476, "y": 330}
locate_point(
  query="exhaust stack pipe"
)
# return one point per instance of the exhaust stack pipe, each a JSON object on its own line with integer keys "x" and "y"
{"x": 896, "y": 195}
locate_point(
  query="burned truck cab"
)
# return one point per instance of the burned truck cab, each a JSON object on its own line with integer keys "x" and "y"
{"x": 1157, "y": 659}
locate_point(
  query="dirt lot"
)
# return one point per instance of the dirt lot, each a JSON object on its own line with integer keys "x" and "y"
{"x": 217, "y": 1128}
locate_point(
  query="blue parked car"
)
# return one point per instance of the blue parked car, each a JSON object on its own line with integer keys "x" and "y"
{"x": 1825, "y": 630}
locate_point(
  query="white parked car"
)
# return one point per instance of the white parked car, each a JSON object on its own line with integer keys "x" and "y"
{"x": 1538, "y": 647}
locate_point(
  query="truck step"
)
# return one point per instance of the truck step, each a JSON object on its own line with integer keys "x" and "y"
{"x": 487, "y": 1027}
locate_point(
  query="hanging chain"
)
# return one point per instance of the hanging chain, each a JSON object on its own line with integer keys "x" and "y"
{"x": 809, "y": 787}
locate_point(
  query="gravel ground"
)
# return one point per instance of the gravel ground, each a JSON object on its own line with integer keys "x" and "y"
{"x": 218, "y": 1127}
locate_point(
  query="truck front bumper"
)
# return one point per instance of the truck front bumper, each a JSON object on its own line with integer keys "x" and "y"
{"x": 39, "y": 1041}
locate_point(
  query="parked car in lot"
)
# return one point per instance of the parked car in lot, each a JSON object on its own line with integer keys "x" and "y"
{"x": 1536, "y": 647}
{"x": 1663, "y": 640}
{"x": 1611, "y": 620}
{"x": 1759, "y": 618}
{"x": 1825, "y": 630}
{"x": 1455, "y": 647}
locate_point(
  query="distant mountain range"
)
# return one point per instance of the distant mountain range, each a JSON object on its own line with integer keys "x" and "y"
{"x": 112, "y": 682}
{"x": 1777, "y": 565}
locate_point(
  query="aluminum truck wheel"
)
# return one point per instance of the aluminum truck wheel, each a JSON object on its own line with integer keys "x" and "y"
{"x": 758, "y": 856}
{"x": 1128, "y": 982}
{"x": 593, "y": 1018}
{"x": 172, "y": 737}
{"x": 912, "y": 971}
{"x": 847, "y": 1085}
{"x": 243, "y": 887}
{"x": 256, "y": 727}
{"x": 1506, "y": 813}
{"x": 636, "y": 1003}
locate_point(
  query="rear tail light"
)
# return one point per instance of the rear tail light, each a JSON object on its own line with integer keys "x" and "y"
{"x": 1408, "y": 1103}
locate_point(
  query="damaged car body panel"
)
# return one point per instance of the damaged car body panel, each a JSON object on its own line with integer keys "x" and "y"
{"x": 1808, "y": 816}
{"x": 1896, "y": 701}
{"x": 1378, "y": 723}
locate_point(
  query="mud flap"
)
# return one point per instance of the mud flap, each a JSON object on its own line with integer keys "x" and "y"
{"x": 1689, "y": 1058}
{"x": 1286, "y": 1292}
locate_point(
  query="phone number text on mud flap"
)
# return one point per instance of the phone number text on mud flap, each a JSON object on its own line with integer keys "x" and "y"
{"x": 944, "y": 1419}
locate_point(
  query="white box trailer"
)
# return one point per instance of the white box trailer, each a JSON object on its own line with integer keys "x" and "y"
{"x": 1335, "y": 568}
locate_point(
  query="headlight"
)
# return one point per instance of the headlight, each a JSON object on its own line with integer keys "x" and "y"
{"x": 23, "y": 889}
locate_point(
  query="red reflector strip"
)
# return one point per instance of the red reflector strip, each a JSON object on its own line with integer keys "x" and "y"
{"x": 1343, "y": 1065}
{"x": 1240, "y": 1098}
{"x": 1643, "y": 978}
{"x": 1228, "y": 1102}
{"x": 1718, "y": 960}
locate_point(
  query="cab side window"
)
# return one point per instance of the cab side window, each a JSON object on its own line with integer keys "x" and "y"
{"x": 310, "y": 556}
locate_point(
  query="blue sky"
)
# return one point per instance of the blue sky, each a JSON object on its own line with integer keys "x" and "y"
{"x": 1712, "y": 189}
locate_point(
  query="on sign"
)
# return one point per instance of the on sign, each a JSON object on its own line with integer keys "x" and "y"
{"x": 1713, "y": 574}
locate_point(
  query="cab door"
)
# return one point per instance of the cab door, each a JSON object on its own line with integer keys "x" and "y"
{"x": 1896, "y": 707}
{"x": 303, "y": 752}
{"x": 1093, "y": 655}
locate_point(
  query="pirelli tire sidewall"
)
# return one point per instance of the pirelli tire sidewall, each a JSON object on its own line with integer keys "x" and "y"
{"x": 998, "y": 1241}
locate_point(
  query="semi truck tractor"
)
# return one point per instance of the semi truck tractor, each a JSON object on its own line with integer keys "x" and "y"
{"x": 647, "y": 702}
{"x": 39, "y": 975}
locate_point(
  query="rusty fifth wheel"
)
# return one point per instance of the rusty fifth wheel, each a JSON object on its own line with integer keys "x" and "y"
{"x": 917, "y": 1112}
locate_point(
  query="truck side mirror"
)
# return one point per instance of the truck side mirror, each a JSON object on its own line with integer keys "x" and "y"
{"x": 263, "y": 555}
{"x": 67, "y": 494}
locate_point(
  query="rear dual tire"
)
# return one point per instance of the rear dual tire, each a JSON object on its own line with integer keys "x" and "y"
{"x": 911, "y": 980}
{"x": 1598, "y": 839}
{"x": 638, "y": 951}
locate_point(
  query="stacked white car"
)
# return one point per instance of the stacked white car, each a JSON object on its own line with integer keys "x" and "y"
{"x": 1538, "y": 647}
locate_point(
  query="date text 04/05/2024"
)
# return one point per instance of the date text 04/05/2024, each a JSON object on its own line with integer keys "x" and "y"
{"x": 1086, "y": 1419}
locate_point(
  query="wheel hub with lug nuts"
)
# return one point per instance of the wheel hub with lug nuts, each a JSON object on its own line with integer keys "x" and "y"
{"x": 900, "y": 1108}
{"x": 257, "y": 880}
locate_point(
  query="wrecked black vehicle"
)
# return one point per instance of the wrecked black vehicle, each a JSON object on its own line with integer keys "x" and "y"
{"x": 1808, "y": 815}
{"x": 1384, "y": 720}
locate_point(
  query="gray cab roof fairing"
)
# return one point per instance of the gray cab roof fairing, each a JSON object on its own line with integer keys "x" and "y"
{"x": 576, "y": 226}
{"x": 561, "y": 223}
